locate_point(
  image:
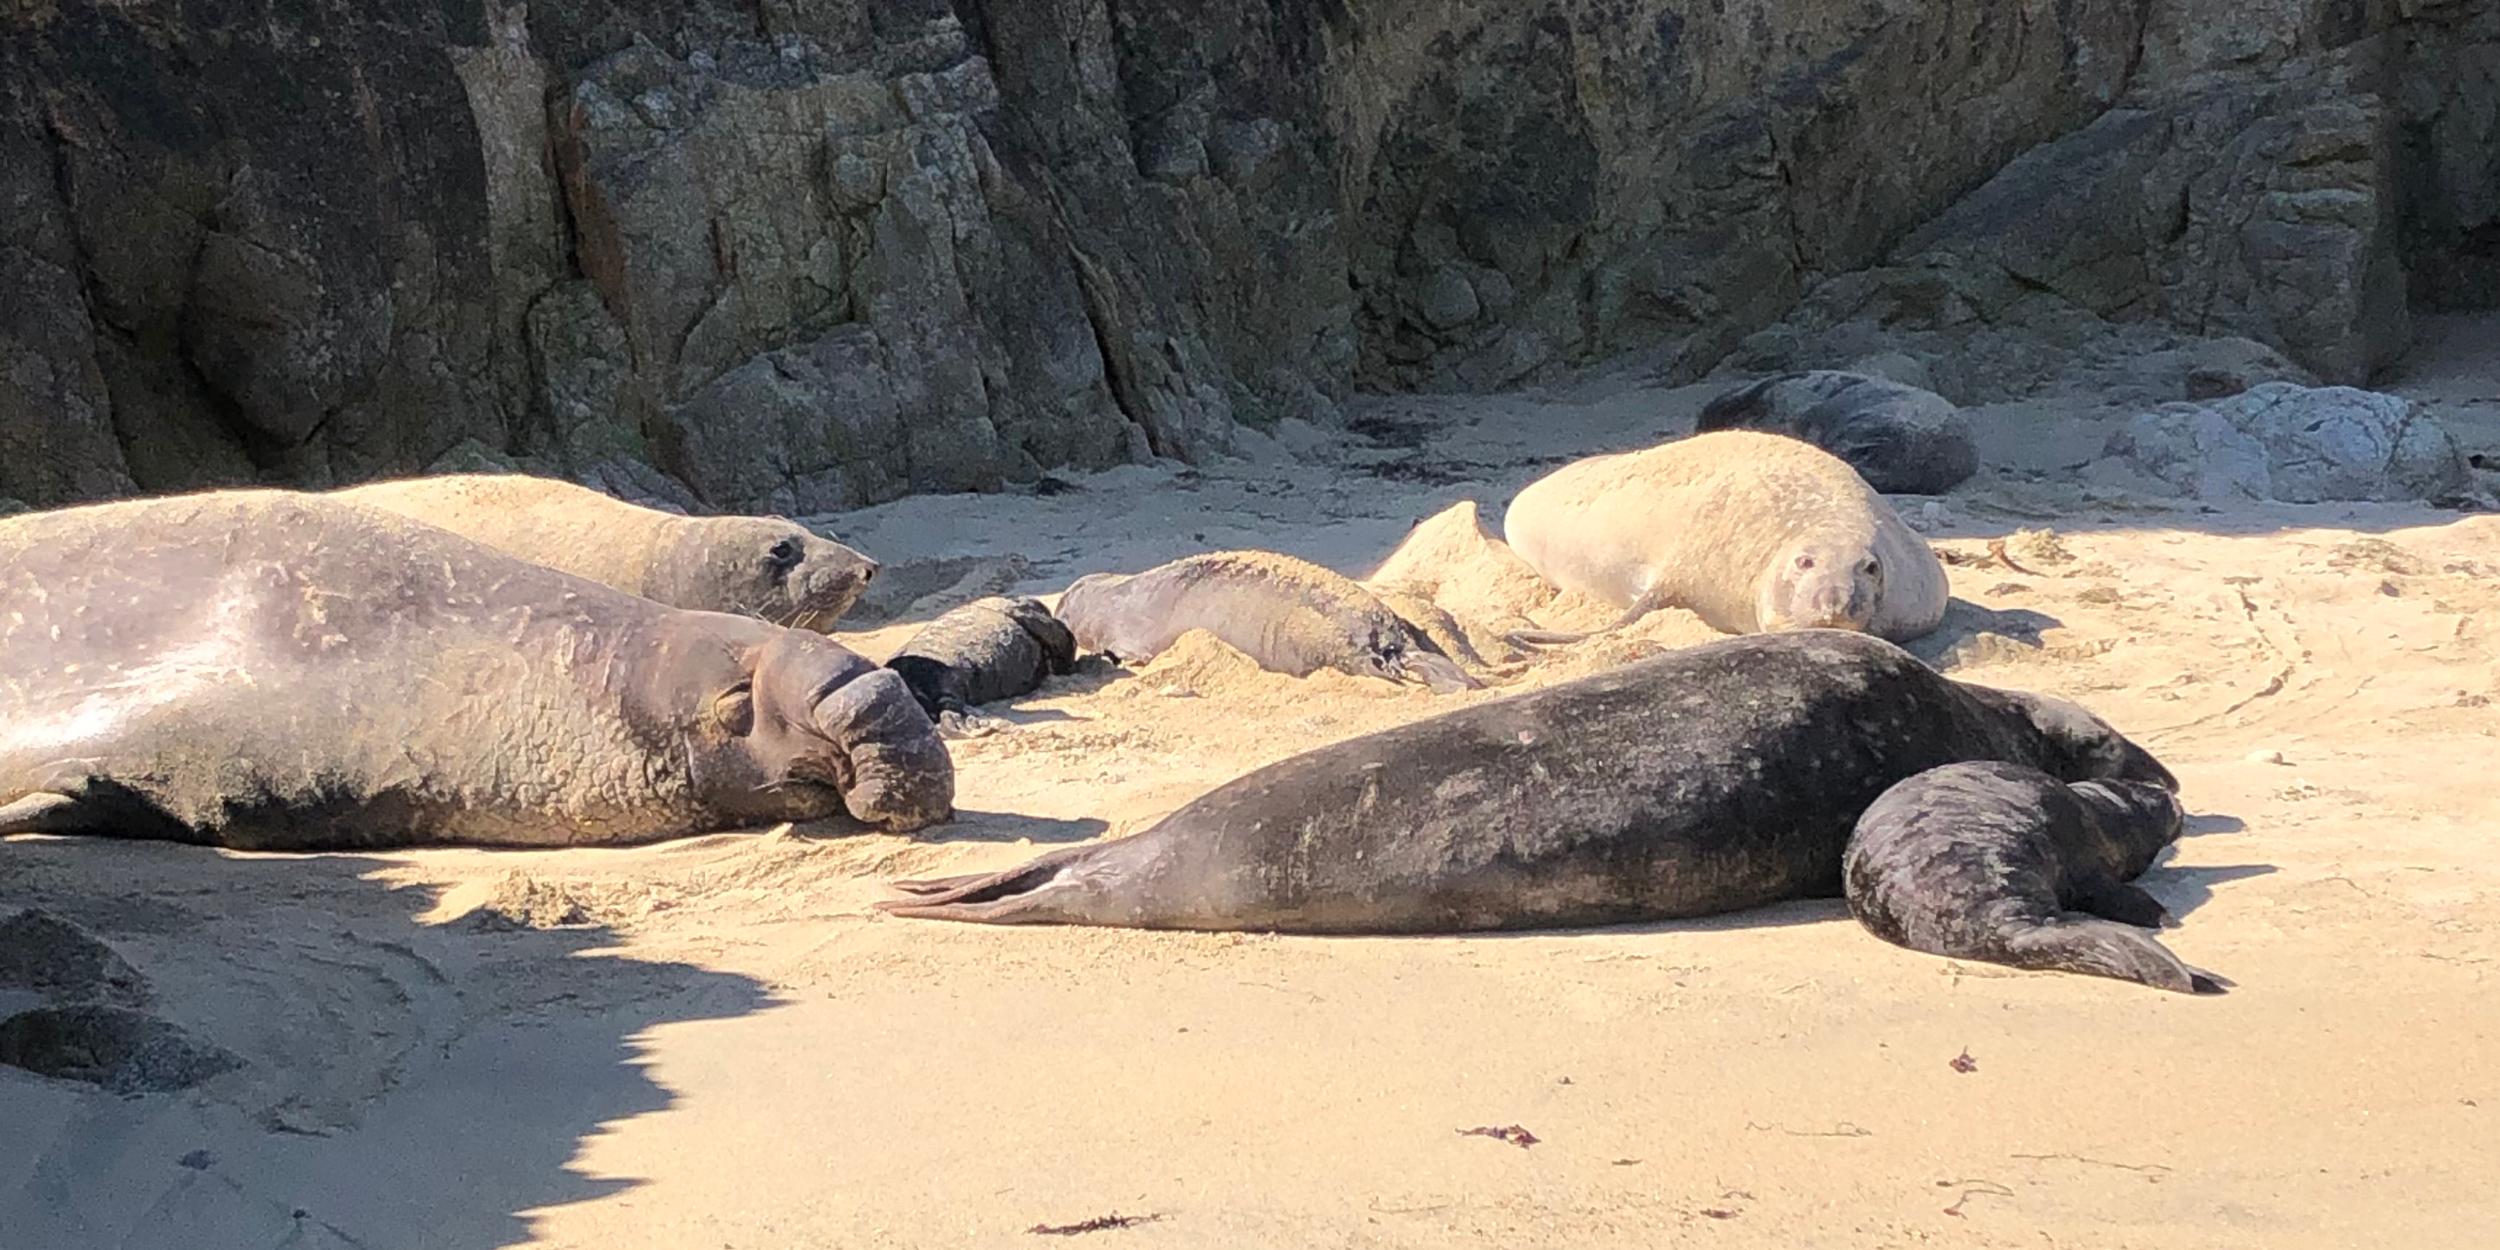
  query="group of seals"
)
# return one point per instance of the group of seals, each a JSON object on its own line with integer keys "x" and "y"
{"x": 1708, "y": 780}
{"x": 1289, "y": 615}
{"x": 280, "y": 670}
{"x": 1752, "y": 532}
{"x": 766, "y": 567}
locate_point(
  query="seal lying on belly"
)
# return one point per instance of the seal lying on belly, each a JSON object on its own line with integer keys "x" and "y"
{"x": 1706, "y": 780}
{"x": 285, "y": 671}
{"x": 2004, "y": 863}
{"x": 765, "y": 567}
{"x": 988, "y": 649}
{"x": 1752, "y": 532}
{"x": 1290, "y": 615}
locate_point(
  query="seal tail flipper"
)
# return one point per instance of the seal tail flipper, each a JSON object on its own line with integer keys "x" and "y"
{"x": 1021, "y": 895}
{"x": 2096, "y": 947}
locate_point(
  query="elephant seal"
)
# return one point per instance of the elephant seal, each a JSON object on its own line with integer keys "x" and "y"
{"x": 1290, "y": 615}
{"x": 1706, "y": 780}
{"x": 2006, "y": 864}
{"x": 1901, "y": 439}
{"x": 1752, "y": 532}
{"x": 275, "y": 670}
{"x": 764, "y": 567}
{"x": 988, "y": 649}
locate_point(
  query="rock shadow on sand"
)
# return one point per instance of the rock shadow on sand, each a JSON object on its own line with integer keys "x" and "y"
{"x": 403, "y": 1079}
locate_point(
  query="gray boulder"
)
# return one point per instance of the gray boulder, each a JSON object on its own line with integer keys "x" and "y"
{"x": 1901, "y": 439}
{"x": 2295, "y": 444}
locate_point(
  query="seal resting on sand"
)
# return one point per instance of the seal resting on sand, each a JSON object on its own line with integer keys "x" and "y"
{"x": 2006, "y": 864}
{"x": 1290, "y": 615}
{"x": 1901, "y": 439}
{"x": 1706, "y": 780}
{"x": 1753, "y": 532}
{"x": 284, "y": 671}
{"x": 764, "y": 567}
{"x": 988, "y": 649}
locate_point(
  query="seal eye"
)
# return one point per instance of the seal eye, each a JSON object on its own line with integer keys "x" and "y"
{"x": 784, "y": 555}
{"x": 1805, "y": 562}
{"x": 734, "y": 709}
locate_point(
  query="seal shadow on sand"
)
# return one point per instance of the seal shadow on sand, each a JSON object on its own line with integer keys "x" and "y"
{"x": 975, "y": 825}
{"x": 404, "y": 1082}
{"x": 1965, "y": 622}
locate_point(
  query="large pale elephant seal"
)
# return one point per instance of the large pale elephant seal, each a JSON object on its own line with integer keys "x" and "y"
{"x": 1705, "y": 780}
{"x": 986, "y": 650}
{"x": 765, "y": 567}
{"x": 1290, "y": 615}
{"x": 1752, "y": 532}
{"x": 275, "y": 670}
{"x": 2004, "y": 863}
{"x": 1900, "y": 438}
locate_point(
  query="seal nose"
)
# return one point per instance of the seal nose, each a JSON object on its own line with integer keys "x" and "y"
{"x": 868, "y": 569}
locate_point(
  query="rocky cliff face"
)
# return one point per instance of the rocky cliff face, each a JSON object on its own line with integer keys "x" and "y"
{"x": 804, "y": 254}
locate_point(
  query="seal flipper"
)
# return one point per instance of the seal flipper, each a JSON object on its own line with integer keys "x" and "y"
{"x": 1073, "y": 885}
{"x": 2070, "y": 943}
{"x": 968, "y": 722}
{"x": 2124, "y": 903}
{"x": 1650, "y": 601}
{"x": 1440, "y": 672}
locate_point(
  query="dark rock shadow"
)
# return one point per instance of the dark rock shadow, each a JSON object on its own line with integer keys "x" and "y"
{"x": 401, "y": 1083}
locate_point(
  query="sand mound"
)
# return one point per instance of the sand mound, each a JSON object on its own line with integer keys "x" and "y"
{"x": 1202, "y": 664}
{"x": 126, "y": 1052}
{"x": 1450, "y": 559}
{"x": 44, "y": 953}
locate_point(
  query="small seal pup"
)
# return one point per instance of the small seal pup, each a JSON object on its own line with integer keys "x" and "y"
{"x": 274, "y": 670}
{"x": 2006, "y": 864}
{"x": 765, "y": 567}
{"x": 1901, "y": 439}
{"x": 1706, "y": 780}
{"x": 1753, "y": 532}
{"x": 1290, "y": 615}
{"x": 988, "y": 649}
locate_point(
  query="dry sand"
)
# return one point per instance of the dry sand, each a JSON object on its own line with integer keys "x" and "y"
{"x": 715, "y": 1043}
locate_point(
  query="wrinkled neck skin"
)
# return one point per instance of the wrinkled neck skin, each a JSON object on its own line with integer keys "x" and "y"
{"x": 739, "y": 697}
{"x": 2070, "y": 743}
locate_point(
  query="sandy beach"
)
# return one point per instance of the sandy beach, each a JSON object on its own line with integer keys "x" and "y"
{"x": 716, "y": 1042}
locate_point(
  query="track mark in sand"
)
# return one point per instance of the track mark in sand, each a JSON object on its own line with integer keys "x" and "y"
{"x": 2288, "y": 665}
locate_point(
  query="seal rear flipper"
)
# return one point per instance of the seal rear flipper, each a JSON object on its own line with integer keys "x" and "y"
{"x": 2096, "y": 947}
{"x": 44, "y": 812}
{"x": 1021, "y": 895}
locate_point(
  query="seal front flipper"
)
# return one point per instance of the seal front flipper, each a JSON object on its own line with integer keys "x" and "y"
{"x": 2124, "y": 903}
{"x": 1437, "y": 671}
{"x": 960, "y": 723}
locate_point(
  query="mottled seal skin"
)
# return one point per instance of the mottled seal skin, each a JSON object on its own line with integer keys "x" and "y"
{"x": 986, "y": 650}
{"x": 276, "y": 670}
{"x": 1901, "y": 439}
{"x": 1290, "y": 615}
{"x": 1753, "y": 532}
{"x": 770, "y": 568}
{"x": 1706, "y": 780}
{"x": 2006, "y": 864}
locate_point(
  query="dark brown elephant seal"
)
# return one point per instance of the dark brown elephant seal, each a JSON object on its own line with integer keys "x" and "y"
{"x": 274, "y": 670}
{"x": 765, "y": 567}
{"x": 1711, "y": 779}
{"x": 1900, "y": 438}
{"x": 2006, "y": 864}
{"x": 1290, "y": 615}
{"x": 986, "y": 650}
